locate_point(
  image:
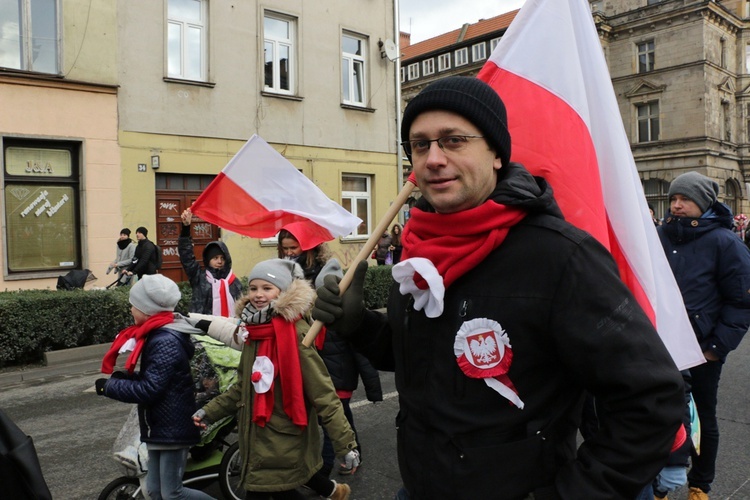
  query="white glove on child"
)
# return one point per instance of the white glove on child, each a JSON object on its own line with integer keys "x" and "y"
{"x": 351, "y": 460}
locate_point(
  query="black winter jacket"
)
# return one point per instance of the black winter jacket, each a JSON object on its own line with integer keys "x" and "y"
{"x": 162, "y": 388}
{"x": 144, "y": 259}
{"x": 573, "y": 326}
{"x": 346, "y": 366}
{"x": 712, "y": 268}
{"x": 202, "y": 297}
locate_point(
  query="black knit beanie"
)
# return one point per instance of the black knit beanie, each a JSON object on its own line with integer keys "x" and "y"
{"x": 125, "y": 231}
{"x": 697, "y": 187}
{"x": 143, "y": 231}
{"x": 471, "y": 98}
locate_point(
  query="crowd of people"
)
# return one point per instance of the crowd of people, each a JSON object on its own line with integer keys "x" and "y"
{"x": 502, "y": 320}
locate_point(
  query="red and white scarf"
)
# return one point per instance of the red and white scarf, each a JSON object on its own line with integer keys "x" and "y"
{"x": 277, "y": 352}
{"x": 223, "y": 302}
{"x": 440, "y": 248}
{"x": 134, "y": 337}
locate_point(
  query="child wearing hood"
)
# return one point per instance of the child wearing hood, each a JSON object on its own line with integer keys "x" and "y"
{"x": 282, "y": 388}
{"x": 162, "y": 388}
{"x": 215, "y": 287}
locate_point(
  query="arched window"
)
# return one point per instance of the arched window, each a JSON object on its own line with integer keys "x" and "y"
{"x": 732, "y": 195}
{"x": 656, "y": 191}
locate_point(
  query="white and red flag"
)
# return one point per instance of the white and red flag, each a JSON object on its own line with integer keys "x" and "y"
{"x": 260, "y": 192}
{"x": 565, "y": 125}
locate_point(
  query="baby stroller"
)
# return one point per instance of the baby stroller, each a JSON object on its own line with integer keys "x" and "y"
{"x": 216, "y": 457}
{"x": 122, "y": 278}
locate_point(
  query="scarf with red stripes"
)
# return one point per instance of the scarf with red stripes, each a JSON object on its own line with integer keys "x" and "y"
{"x": 139, "y": 334}
{"x": 223, "y": 302}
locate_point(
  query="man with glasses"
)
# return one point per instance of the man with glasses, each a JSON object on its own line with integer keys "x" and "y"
{"x": 502, "y": 315}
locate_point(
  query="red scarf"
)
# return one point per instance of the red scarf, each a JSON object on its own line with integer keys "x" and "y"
{"x": 455, "y": 243}
{"x": 139, "y": 333}
{"x": 277, "y": 341}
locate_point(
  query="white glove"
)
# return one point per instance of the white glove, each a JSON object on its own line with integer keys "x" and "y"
{"x": 351, "y": 460}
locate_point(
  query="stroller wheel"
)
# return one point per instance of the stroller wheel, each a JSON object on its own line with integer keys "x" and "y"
{"x": 122, "y": 488}
{"x": 230, "y": 479}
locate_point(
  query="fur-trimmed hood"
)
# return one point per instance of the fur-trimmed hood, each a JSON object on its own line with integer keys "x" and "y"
{"x": 296, "y": 301}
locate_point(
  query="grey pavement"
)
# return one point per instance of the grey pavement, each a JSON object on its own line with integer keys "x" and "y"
{"x": 379, "y": 479}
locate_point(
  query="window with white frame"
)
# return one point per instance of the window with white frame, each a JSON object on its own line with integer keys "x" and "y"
{"x": 646, "y": 56}
{"x": 187, "y": 39}
{"x": 403, "y": 75}
{"x": 657, "y": 195}
{"x": 42, "y": 206}
{"x": 478, "y": 52}
{"x": 428, "y": 67}
{"x": 444, "y": 62}
{"x": 462, "y": 57}
{"x": 648, "y": 121}
{"x": 279, "y": 34}
{"x": 29, "y": 35}
{"x": 493, "y": 44}
{"x": 413, "y": 70}
{"x": 353, "y": 62}
{"x": 356, "y": 197}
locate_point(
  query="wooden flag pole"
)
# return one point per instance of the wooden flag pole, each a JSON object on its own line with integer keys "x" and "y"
{"x": 363, "y": 254}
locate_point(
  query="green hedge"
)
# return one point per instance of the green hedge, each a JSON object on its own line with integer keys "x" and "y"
{"x": 33, "y": 322}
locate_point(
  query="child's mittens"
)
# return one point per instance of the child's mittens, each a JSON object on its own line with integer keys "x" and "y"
{"x": 100, "y": 385}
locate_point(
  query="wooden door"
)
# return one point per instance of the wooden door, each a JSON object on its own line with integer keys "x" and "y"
{"x": 169, "y": 206}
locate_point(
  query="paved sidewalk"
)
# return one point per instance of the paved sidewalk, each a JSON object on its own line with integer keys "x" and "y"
{"x": 66, "y": 362}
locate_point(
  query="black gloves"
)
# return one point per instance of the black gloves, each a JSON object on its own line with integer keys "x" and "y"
{"x": 119, "y": 374}
{"x": 100, "y": 384}
{"x": 203, "y": 325}
{"x": 342, "y": 313}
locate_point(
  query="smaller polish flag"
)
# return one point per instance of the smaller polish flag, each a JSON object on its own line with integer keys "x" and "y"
{"x": 259, "y": 192}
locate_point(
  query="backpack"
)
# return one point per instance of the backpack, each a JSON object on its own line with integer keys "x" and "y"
{"x": 158, "y": 258}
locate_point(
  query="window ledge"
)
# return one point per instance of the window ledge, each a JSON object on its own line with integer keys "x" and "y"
{"x": 357, "y": 108}
{"x": 354, "y": 239}
{"x": 190, "y": 82}
{"x": 289, "y": 97}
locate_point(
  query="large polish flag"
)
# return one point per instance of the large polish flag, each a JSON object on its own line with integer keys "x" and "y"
{"x": 259, "y": 192}
{"x": 565, "y": 125}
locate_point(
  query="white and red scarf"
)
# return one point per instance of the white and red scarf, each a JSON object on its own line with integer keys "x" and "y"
{"x": 223, "y": 302}
{"x": 440, "y": 248}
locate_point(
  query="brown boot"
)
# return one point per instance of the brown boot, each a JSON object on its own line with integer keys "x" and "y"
{"x": 697, "y": 494}
{"x": 341, "y": 491}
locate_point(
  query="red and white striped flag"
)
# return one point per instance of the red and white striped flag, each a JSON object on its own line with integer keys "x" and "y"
{"x": 565, "y": 125}
{"x": 260, "y": 192}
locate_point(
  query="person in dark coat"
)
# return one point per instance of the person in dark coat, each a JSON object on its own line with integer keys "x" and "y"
{"x": 343, "y": 363}
{"x": 712, "y": 268}
{"x": 501, "y": 316}
{"x": 145, "y": 256}
{"x": 162, "y": 388}
{"x": 215, "y": 286}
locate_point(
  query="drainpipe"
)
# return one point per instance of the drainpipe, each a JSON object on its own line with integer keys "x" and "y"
{"x": 397, "y": 77}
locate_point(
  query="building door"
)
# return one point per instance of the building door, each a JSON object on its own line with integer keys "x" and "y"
{"x": 175, "y": 193}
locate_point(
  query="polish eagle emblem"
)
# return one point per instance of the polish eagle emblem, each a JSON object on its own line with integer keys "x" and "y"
{"x": 483, "y": 348}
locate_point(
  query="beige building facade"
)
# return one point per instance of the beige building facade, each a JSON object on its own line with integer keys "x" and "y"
{"x": 681, "y": 74}
{"x": 151, "y": 104}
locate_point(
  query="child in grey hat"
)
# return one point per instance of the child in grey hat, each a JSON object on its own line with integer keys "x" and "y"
{"x": 283, "y": 388}
{"x": 162, "y": 388}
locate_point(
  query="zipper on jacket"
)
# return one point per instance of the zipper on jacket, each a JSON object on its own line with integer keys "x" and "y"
{"x": 407, "y": 320}
{"x": 463, "y": 309}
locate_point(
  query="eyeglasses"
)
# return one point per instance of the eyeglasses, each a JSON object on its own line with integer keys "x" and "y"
{"x": 448, "y": 143}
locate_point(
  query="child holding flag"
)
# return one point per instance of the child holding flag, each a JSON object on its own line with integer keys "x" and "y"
{"x": 215, "y": 288}
{"x": 282, "y": 389}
